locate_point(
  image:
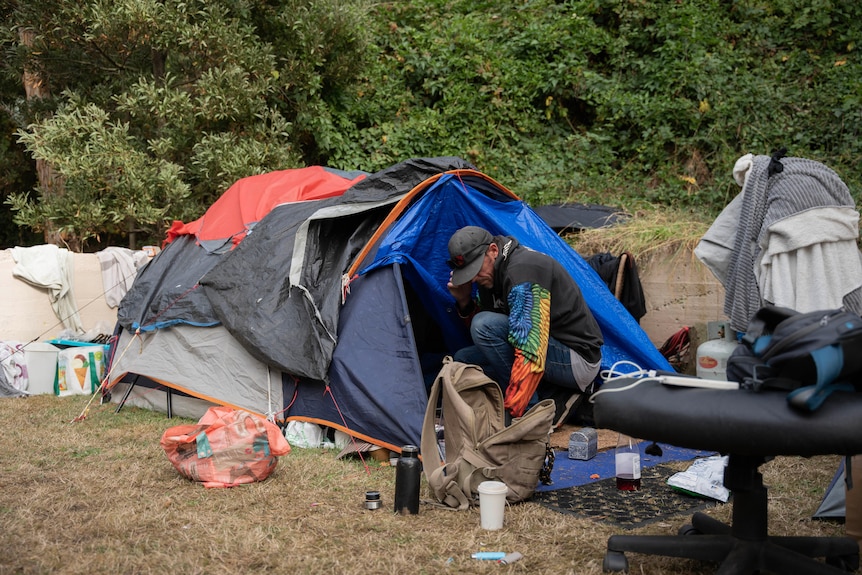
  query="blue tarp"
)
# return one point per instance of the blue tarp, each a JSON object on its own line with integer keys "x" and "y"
{"x": 376, "y": 379}
{"x": 419, "y": 239}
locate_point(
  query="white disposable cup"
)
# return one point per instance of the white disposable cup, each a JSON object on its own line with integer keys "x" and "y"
{"x": 492, "y": 503}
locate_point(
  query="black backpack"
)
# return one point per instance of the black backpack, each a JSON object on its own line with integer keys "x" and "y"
{"x": 809, "y": 354}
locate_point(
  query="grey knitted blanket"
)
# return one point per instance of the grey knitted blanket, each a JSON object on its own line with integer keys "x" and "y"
{"x": 800, "y": 185}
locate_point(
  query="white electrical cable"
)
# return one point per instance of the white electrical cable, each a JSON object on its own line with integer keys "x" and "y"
{"x": 640, "y": 375}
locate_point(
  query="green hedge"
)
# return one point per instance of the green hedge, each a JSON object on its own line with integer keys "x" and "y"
{"x": 619, "y": 102}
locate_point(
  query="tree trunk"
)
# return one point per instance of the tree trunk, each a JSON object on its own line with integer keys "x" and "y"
{"x": 50, "y": 183}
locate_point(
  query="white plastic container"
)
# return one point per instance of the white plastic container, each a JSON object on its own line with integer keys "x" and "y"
{"x": 41, "y": 361}
{"x": 712, "y": 355}
{"x": 492, "y": 503}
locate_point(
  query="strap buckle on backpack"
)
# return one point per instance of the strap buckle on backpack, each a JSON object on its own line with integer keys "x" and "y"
{"x": 444, "y": 483}
{"x": 547, "y": 466}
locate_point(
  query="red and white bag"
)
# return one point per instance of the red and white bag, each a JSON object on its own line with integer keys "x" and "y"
{"x": 226, "y": 448}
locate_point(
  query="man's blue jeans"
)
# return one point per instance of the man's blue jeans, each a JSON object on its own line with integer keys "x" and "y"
{"x": 492, "y": 351}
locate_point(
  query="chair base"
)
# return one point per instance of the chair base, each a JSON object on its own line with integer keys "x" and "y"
{"x": 751, "y": 429}
{"x": 744, "y": 546}
{"x": 707, "y": 539}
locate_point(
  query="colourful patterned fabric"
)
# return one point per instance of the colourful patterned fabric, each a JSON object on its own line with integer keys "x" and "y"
{"x": 225, "y": 448}
{"x": 529, "y": 326}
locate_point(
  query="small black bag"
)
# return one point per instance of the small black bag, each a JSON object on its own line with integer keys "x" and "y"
{"x": 809, "y": 354}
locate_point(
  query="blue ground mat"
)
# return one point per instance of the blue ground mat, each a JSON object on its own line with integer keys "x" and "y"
{"x": 575, "y": 472}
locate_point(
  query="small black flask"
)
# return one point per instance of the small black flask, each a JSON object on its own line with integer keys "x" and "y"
{"x": 408, "y": 470}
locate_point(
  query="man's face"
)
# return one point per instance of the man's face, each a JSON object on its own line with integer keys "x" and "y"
{"x": 485, "y": 277}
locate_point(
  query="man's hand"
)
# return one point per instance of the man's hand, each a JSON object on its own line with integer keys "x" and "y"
{"x": 461, "y": 293}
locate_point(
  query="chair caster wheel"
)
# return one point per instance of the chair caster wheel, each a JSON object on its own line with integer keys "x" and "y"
{"x": 615, "y": 561}
{"x": 849, "y": 563}
{"x": 688, "y": 529}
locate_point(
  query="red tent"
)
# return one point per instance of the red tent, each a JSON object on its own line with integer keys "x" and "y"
{"x": 230, "y": 218}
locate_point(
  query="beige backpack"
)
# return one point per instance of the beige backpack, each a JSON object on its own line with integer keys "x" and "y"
{"x": 478, "y": 446}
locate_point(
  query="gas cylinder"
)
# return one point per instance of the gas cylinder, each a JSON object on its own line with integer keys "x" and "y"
{"x": 712, "y": 354}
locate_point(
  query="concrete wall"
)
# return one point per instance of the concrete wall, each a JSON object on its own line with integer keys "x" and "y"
{"x": 679, "y": 291}
{"x": 26, "y": 313}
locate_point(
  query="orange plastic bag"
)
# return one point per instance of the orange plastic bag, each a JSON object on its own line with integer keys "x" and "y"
{"x": 225, "y": 448}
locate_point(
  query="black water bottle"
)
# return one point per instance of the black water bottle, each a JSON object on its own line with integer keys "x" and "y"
{"x": 408, "y": 470}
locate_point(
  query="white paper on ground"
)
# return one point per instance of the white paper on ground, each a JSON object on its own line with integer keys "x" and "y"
{"x": 704, "y": 477}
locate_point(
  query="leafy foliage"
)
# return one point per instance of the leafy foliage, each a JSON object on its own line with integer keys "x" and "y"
{"x": 622, "y": 102}
{"x": 164, "y": 104}
{"x": 106, "y": 178}
{"x": 635, "y": 103}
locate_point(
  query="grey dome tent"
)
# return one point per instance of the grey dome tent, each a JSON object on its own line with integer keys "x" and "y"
{"x": 330, "y": 306}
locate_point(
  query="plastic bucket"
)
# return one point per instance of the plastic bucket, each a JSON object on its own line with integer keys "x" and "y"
{"x": 41, "y": 361}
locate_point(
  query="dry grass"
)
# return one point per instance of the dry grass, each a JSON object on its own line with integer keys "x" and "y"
{"x": 648, "y": 233}
{"x": 99, "y": 496}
